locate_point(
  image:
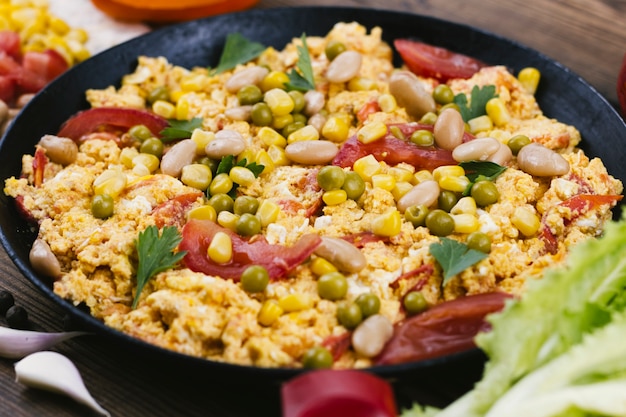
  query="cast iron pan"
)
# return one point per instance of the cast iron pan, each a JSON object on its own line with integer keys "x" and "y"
{"x": 561, "y": 94}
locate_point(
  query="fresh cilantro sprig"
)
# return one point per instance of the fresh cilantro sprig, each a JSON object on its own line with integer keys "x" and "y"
{"x": 180, "y": 129}
{"x": 454, "y": 257}
{"x": 237, "y": 50}
{"x": 479, "y": 97}
{"x": 302, "y": 78}
{"x": 156, "y": 254}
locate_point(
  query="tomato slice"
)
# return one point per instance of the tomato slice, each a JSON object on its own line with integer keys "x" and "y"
{"x": 173, "y": 212}
{"x": 444, "y": 329}
{"x": 328, "y": 393}
{"x": 621, "y": 87}
{"x": 110, "y": 118}
{"x": 436, "y": 62}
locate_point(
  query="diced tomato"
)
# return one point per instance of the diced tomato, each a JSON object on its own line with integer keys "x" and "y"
{"x": 368, "y": 108}
{"x": 110, "y": 118}
{"x": 7, "y": 88}
{"x": 173, "y": 212}
{"x": 39, "y": 166}
{"x": 39, "y": 68}
{"x": 621, "y": 87}
{"x": 277, "y": 259}
{"x": 10, "y": 43}
{"x": 444, "y": 329}
{"x": 436, "y": 62}
{"x": 337, "y": 345}
{"x": 8, "y": 64}
{"x": 328, "y": 393}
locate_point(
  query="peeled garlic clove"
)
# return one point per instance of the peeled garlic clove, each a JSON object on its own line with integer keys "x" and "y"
{"x": 16, "y": 344}
{"x": 54, "y": 372}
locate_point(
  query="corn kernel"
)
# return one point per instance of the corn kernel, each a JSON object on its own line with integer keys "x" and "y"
{"x": 361, "y": 84}
{"x": 336, "y": 128}
{"x": 423, "y": 175}
{"x": 111, "y": 182}
{"x": 141, "y": 170}
{"x": 148, "y": 160}
{"x": 279, "y": 102}
{"x": 387, "y": 103}
{"x": 275, "y": 79}
{"x": 456, "y": 184}
{"x": 279, "y": 122}
{"x": 78, "y": 50}
{"x": 202, "y": 139}
{"x": 271, "y": 137}
{"x": 182, "y": 108}
{"x": 529, "y": 78}
{"x": 465, "y": 205}
{"x": 306, "y": 133}
{"x": 384, "y": 181}
{"x": 278, "y": 156}
{"x": 387, "y": 224}
{"x": 58, "y": 25}
{"x": 164, "y": 109}
{"x": 465, "y": 223}
{"x": 371, "y": 132}
{"x": 126, "y": 156}
{"x": 295, "y": 302}
{"x": 401, "y": 188}
{"x": 197, "y": 176}
{"x": 262, "y": 157}
{"x": 269, "y": 313}
{"x": 366, "y": 167}
{"x": 205, "y": 212}
{"x": 526, "y": 221}
{"x": 193, "y": 82}
{"x": 77, "y": 34}
{"x": 175, "y": 95}
{"x": 242, "y": 176}
{"x": 220, "y": 249}
{"x": 480, "y": 124}
{"x": 334, "y": 197}
{"x": 447, "y": 171}
{"x": 400, "y": 174}
{"x": 248, "y": 154}
{"x": 221, "y": 184}
{"x": 321, "y": 266}
{"x": 268, "y": 212}
{"x": 228, "y": 220}
{"x": 497, "y": 111}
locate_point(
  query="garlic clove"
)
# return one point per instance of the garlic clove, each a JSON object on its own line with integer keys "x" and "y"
{"x": 54, "y": 372}
{"x": 15, "y": 344}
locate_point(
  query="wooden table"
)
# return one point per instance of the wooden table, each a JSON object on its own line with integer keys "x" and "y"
{"x": 588, "y": 36}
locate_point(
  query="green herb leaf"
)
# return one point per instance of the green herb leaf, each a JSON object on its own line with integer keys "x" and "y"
{"x": 302, "y": 79}
{"x": 256, "y": 169}
{"x": 237, "y": 50}
{"x": 155, "y": 254}
{"x": 226, "y": 164}
{"x": 484, "y": 170}
{"x": 478, "y": 100}
{"x": 180, "y": 129}
{"x": 454, "y": 257}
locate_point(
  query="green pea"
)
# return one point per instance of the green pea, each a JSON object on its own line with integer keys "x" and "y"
{"x": 299, "y": 118}
{"x": 255, "y": 279}
{"x": 140, "y": 132}
{"x": 211, "y": 163}
{"x": 245, "y": 204}
{"x": 484, "y": 193}
{"x": 332, "y": 286}
{"x": 439, "y": 223}
{"x": 248, "y": 225}
{"x": 353, "y": 185}
{"x": 368, "y": 303}
{"x": 416, "y": 215}
{"x": 249, "y": 94}
{"x": 317, "y": 357}
{"x": 261, "y": 114}
{"x": 429, "y": 118}
{"x": 479, "y": 241}
{"x": 221, "y": 202}
{"x": 158, "y": 93}
{"x": 443, "y": 94}
{"x": 517, "y": 142}
{"x": 447, "y": 199}
{"x": 153, "y": 146}
{"x": 422, "y": 137}
{"x": 102, "y": 206}
{"x": 292, "y": 127}
{"x": 414, "y": 302}
{"x": 449, "y": 106}
{"x": 334, "y": 48}
{"x": 299, "y": 101}
{"x": 349, "y": 315}
{"x": 331, "y": 177}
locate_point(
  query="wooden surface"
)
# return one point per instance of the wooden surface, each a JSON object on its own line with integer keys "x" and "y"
{"x": 588, "y": 36}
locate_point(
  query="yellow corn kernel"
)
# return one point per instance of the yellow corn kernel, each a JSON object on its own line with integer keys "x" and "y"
{"x": 456, "y": 184}
{"x": 387, "y": 224}
{"x": 447, "y": 171}
{"x": 526, "y": 221}
{"x": 182, "y": 108}
{"x": 77, "y": 34}
{"x": 22, "y": 16}
{"x": 361, "y": 84}
{"x": 384, "y": 181}
{"x": 220, "y": 249}
{"x": 242, "y": 176}
{"x": 271, "y": 137}
{"x": 278, "y": 156}
{"x": 279, "y": 122}
{"x": 58, "y": 25}
{"x": 480, "y": 124}
{"x": 193, "y": 82}
{"x": 366, "y": 167}
{"x": 497, "y": 111}
{"x": 5, "y": 24}
{"x": 205, "y": 212}
{"x": 401, "y": 188}
{"x": 175, "y": 95}
{"x": 141, "y": 170}
{"x": 126, "y": 156}
{"x": 529, "y": 78}
{"x": 148, "y": 160}
{"x": 164, "y": 109}
{"x": 336, "y": 128}
{"x": 400, "y": 174}
{"x": 274, "y": 79}
{"x": 262, "y": 157}
{"x": 387, "y": 103}
{"x": 248, "y": 154}
{"x": 295, "y": 302}
{"x": 78, "y": 50}
{"x": 306, "y": 133}
{"x": 268, "y": 212}
{"x": 227, "y": 219}
{"x": 423, "y": 175}
{"x": 111, "y": 182}
{"x": 371, "y": 132}
{"x": 202, "y": 139}
{"x": 221, "y": 184}
{"x": 197, "y": 176}
{"x": 465, "y": 205}
{"x": 279, "y": 102}
{"x": 465, "y": 223}
{"x": 321, "y": 266}
{"x": 270, "y": 312}
{"x": 334, "y": 197}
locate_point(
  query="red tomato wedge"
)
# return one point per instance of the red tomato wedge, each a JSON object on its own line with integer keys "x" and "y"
{"x": 277, "y": 259}
{"x": 621, "y": 87}
{"x": 110, "y": 118}
{"x": 10, "y": 43}
{"x": 328, "y": 393}
{"x": 436, "y": 62}
{"x": 39, "y": 68}
{"x": 446, "y": 328}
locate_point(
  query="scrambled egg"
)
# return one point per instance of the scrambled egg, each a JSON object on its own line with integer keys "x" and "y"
{"x": 215, "y": 318}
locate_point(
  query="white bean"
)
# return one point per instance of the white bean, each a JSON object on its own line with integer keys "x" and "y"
{"x": 314, "y": 102}
{"x": 23, "y": 100}
{"x": 479, "y": 149}
{"x": 502, "y": 156}
{"x": 178, "y": 156}
{"x": 43, "y": 260}
{"x": 342, "y": 254}
{"x": 317, "y": 121}
{"x": 247, "y": 76}
{"x": 370, "y": 337}
{"x": 311, "y": 152}
{"x": 240, "y": 113}
{"x": 425, "y": 193}
{"x": 60, "y": 150}
{"x": 449, "y": 129}
{"x": 535, "y": 159}
{"x": 411, "y": 94}
{"x": 226, "y": 142}
{"x": 344, "y": 67}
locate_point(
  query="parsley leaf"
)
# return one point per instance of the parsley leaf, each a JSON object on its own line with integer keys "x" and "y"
{"x": 228, "y": 162}
{"x": 478, "y": 100}
{"x": 155, "y": 254}
{"x": 454, "y": 257}
{"x": 237, "y": 50}
{"x": 180, "y": 129}
{"x": 482, "y": 170}
{"x": 302, "y": 79}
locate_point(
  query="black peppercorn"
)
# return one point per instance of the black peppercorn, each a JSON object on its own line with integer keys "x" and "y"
{"x": 17, "y": 317}
{"x": 6, "y": 301}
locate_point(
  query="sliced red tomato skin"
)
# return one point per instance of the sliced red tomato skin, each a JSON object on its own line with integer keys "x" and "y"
{"x": 621, "y": 87}
{"x": 446, "y": 328}
{"x": 110, "y": 118}
{"x": 436, "y": 62}
{"x": 329, "y": 393}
